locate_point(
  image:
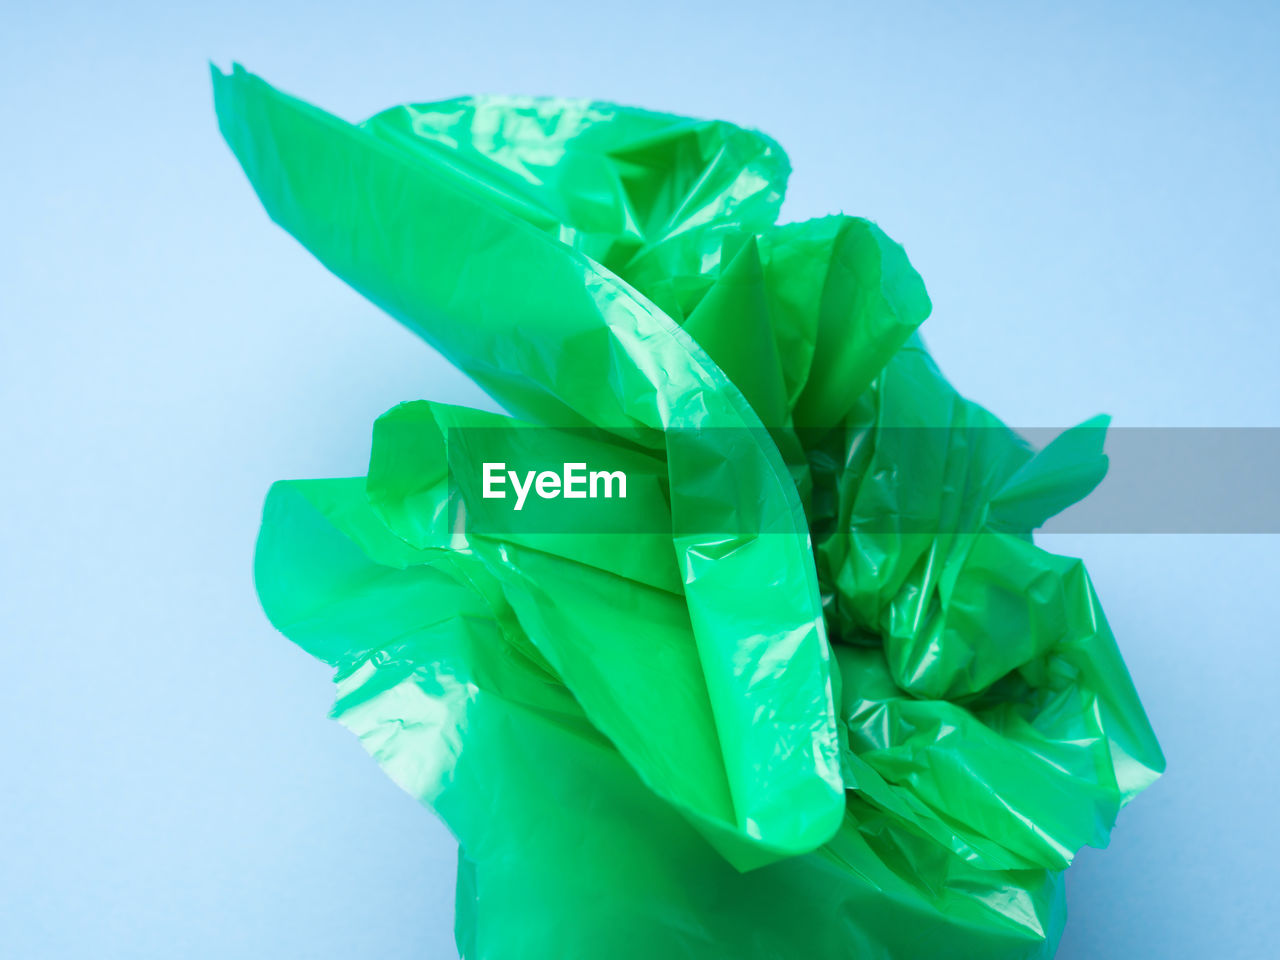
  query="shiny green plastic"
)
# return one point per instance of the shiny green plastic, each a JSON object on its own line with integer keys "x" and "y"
{"x": 843, "y": 708}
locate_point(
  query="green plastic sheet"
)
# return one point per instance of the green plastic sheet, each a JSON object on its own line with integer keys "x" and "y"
{"x": 826, "y": 698}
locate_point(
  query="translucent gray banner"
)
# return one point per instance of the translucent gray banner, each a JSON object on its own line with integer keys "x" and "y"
{"x": 876, "y": 479}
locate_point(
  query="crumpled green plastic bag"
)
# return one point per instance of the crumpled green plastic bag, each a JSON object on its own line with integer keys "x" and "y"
{"x": 844, "y": 707}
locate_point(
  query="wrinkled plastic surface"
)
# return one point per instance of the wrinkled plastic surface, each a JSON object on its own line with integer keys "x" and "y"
{"x": 867, "y": 718}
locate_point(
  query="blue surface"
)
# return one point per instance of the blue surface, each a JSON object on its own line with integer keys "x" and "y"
{"x": 1092, "y": 196}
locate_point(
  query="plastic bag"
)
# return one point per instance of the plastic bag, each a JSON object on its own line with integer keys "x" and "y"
{"x": 834, "y": 702}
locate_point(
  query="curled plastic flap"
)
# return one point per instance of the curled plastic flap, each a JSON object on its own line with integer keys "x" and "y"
{"x": 627, "y": 723}
{"x": 558, "y": 339}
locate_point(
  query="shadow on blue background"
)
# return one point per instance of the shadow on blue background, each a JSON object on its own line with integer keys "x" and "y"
{"x": 1092, "y": 196}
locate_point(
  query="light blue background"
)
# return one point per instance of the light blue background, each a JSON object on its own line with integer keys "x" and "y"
{"x": 1092, "y": 193}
